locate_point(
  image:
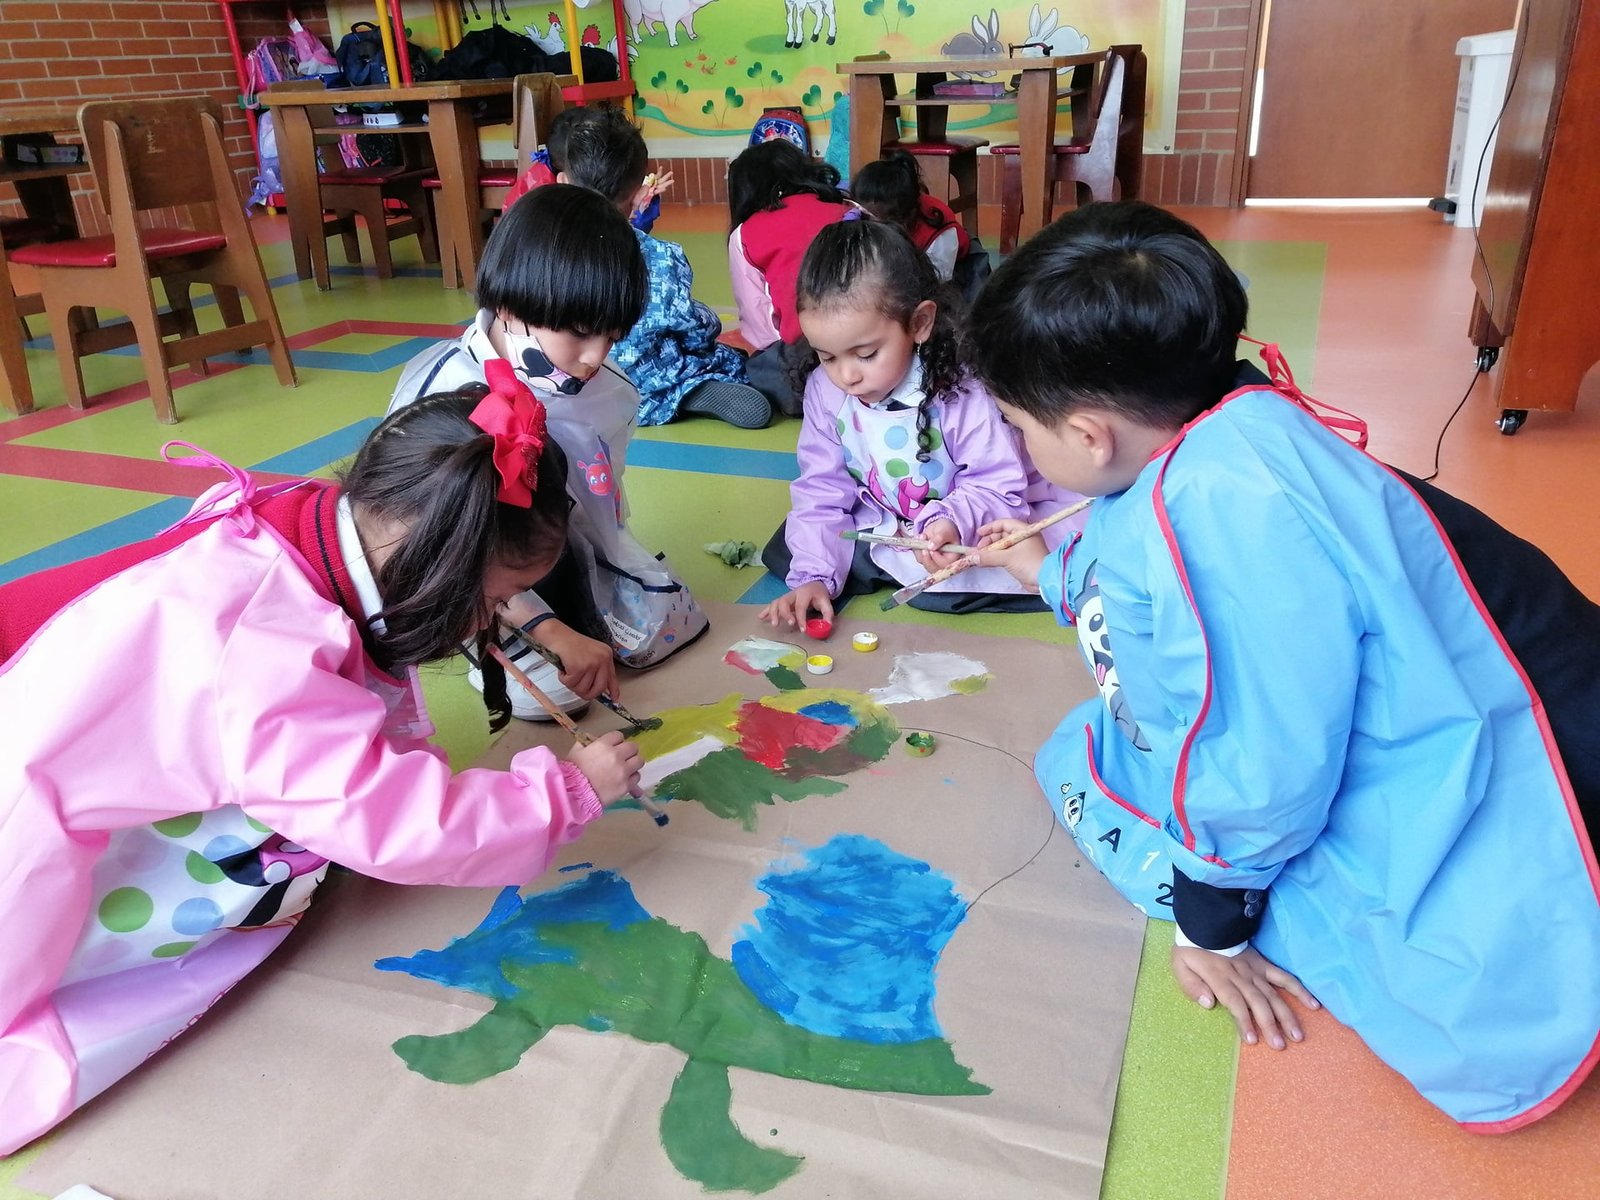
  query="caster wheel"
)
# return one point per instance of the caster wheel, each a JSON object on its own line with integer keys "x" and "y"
{"x": 1487, "y": 357}
{"x": 1511, "y": 420}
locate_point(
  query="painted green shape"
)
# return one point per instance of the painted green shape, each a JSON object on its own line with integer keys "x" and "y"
{"x": 971, "y": 685}
{"x": 699, "y": 1136}
{"x": 658, "y": 983}
{"x": 172, "y": 950}
{"x": 126, "y": 909}
{"x": 494, "y": 1044}
{"x": 734, "y": 787}
{"x": 682, "y": 727}
{"x": 785, "y": 678}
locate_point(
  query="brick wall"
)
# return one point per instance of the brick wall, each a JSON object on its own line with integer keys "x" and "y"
{"x": 1207, "y": 146}
{"x": 63, "y": 52}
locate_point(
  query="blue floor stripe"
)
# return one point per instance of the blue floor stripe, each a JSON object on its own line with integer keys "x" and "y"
{"x": 764, "y": 590}
{"x": 713, "y": 460}
{"x": 147, "y": 522}
{"x": 318, "y": 453}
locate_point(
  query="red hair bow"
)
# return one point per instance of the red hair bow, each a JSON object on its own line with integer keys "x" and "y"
{"x": 515, "y": 418}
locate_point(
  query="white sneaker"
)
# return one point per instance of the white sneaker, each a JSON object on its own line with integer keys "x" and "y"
{"x": 545, "y": 677}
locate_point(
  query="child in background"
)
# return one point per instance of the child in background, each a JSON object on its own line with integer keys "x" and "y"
{"x": 1349, "y": 727}
{"x": 549, "y": 164}
{"x": 779, "y": 198}
{"x": 897, "y": 440}
{"x": 892, "y": 190}
{"x": 259, "y": 720}
{"x": 671, "y": 353}
{"x": 561, "y": 280}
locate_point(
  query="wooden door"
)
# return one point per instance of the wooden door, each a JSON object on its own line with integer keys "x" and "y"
{"x": 1357, "y": 96}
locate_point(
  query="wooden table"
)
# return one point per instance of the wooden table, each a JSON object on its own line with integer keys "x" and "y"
{"x": 872, "y": 94}
{"x": 452, "y": 131}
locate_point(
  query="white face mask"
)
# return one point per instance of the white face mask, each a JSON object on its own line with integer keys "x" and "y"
{"x": 524, "y": 353}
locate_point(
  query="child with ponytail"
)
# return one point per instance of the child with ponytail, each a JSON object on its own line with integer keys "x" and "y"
{"x": 198, "y": 724}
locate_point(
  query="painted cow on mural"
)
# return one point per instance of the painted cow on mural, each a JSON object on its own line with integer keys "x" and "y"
{"x": 821, "y": 10}
{"x": 643, "y": 15}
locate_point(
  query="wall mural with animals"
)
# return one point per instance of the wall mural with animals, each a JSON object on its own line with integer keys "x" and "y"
{"x": 706, "y": 68}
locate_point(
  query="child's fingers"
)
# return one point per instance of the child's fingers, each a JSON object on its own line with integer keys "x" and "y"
{"x": 1278, "y": 977}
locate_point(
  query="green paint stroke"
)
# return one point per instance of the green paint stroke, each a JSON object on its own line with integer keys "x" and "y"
{"x": 785, "y": 678}
{"x": 734, "y": 787}
{"x": 701, "y": 1139}
{"x": 658, "y": 983}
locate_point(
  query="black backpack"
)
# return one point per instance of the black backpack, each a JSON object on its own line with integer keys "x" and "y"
{"x": 492, "y": 53}
{"x": 360, "y": 58}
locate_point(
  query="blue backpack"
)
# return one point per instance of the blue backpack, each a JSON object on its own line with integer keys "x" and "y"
{"x": 787, "y": 123}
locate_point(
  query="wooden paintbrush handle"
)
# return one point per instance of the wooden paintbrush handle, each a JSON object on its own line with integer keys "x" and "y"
{"x": 549, "y": 705}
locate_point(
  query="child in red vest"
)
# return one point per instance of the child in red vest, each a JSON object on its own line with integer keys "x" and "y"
{"x": 892, "y": 190}
{"x": 779, "y": 199}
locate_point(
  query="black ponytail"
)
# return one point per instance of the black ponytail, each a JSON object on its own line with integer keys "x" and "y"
{"x": 429, "y": 471}
{"x": 890, "y": 188}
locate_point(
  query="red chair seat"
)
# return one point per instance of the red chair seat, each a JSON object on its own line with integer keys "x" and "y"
{"x": 487, "y": 177}
{"x": 102, "y": 251}
{"x": 368, "y": 177}
{"x": 955, "y": 144}
{"x": 1075, "y": 146}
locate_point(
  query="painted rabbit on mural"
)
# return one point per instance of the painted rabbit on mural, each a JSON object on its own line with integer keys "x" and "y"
{"x": 1045, "y": 29}
{"x": 983, "y": 40}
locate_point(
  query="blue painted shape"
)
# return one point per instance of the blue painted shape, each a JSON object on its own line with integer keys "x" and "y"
{"x": 512, "y": 932}
{"x": 830, "y": 712}
{"x": 847, "y": 942}
{"x": 713, "y": 460}
{"x": 765, "y": 590}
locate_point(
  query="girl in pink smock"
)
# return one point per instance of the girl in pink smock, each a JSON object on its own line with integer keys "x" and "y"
{"x": 897, "y": 439}
{"x": 197, "y": 724}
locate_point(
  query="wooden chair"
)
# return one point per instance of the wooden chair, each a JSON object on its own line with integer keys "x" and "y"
{"x": 1090, "y": 161}
{"x": 949, "y": 163}
{"x": 370, "y": 193}
{"x": 15, "y": 309}
{"x": 535, "y": 101}
{"x": 147, "y": 155}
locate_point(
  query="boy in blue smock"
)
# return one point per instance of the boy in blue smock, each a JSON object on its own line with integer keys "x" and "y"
{"x": 1348, "y": 731}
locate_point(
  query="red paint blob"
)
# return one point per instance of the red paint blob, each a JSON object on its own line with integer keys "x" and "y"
{"x": 819, "y": 628}
{"x": 766, "y": 735}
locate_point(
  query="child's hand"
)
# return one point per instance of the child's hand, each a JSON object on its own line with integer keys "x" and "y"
{"x": 1023, "y": 560}
{"x": 938, "y": 533}
{"x": 611, "y": 763}
{"x": 652, "y": 187}
{"x": 792, "y": 609}
{"x": 588, "y": 666}
{"x": 1248, "y": 986}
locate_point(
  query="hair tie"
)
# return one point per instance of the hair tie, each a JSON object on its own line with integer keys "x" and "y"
{"x": 515, "y": 418}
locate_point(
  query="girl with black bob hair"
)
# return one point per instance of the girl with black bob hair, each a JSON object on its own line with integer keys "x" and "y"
{"x": 897, "y": 440}
{"x": 267, "y": 715}
{"x": 779, "y": 199}
{"x": 1134, "y": 312}
{"x": 892, "y": 190}
{"x": 561, "y": 279}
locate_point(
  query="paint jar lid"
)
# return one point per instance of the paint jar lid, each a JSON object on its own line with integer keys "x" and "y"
{"x": 865, "y": 642}
{"x": 919, "y": 744}
{"x": 819, "y": 629}
{"x": 819, "y": 664}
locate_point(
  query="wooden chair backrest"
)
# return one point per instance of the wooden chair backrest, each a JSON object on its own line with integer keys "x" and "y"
{"x": 164, "y": 148}
{"x": 1108, "y": 97}
{"x": 535, "y": 101}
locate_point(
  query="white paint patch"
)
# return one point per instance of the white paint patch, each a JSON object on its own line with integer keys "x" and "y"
{"x": 760, "y": 655}
{"x": 928, "y": 676}
{"x": 660, "y": 767}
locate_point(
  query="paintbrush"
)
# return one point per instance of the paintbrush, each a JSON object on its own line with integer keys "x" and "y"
{"x": 905, "y": 543}
{"x": 566, "y": 722}
{"x": 971, "y": 560}
{"x": 641, "y": 724}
